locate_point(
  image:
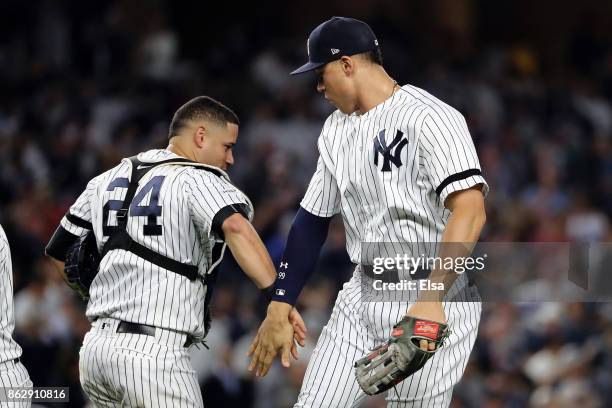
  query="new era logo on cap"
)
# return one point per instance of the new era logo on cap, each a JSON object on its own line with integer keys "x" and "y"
{"x": 334, "y": 38}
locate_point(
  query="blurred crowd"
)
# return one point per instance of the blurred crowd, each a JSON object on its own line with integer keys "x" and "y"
{"x": 84, "y": 85}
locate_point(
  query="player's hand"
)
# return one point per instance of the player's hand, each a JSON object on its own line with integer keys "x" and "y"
{"x": 299, "y": 331}
{"x": 275, "y": 334}
{"x": 427, "y": 310}
{"x": 399, "y": 358}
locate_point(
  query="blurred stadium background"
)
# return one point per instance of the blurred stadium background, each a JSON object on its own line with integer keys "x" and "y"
{"x": 83, "y": 84}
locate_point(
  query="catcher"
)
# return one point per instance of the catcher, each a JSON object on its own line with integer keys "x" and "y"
{"x": 143, "y": 242}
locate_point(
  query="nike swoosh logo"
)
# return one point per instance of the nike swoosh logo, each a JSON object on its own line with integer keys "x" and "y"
{"x": 144, "y": 166}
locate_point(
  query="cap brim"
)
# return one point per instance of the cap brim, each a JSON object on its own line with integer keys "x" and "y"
{"x": 309, "y": 66}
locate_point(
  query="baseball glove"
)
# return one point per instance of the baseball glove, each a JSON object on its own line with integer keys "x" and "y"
{"x": 81, "y": 266}
{"x": 394, "y": 361}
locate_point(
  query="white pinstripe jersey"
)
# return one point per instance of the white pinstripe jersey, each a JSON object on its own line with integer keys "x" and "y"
{"x": 388, "y": 173}
{"x": 389, "y": 170}
{"x": 9, "y": 349}
{"x": 171, "y": 214}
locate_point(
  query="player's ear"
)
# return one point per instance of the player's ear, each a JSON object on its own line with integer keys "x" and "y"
{"x": 348, "y": 65}
{"x": 199, "y": 135}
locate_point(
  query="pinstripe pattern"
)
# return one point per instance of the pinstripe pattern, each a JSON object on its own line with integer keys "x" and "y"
{"x": 9, "y": 349}
{"x": 356, "y": 326}
{"x": 395, "y": 206}
{"x": 11, "y": 374}
{"x": 137, "y": 370}
{"x": 132, "y": 370}
{"x": 130, "y": 288}
{"x": 400, "y": 205}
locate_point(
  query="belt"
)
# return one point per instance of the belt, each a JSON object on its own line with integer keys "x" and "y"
{"x": 135, "y": 328}
{"x": 14, "y": 361}
{"x": 145, "y": 329}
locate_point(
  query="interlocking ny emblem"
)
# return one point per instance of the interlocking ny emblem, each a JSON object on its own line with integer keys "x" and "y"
{"x": 380, "y": 147}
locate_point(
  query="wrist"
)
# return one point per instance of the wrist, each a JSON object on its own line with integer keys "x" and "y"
{"x": 429, "y": 310}
{"x": 279, "y": 310}
{"x": 430, "y": 296}
{"x": 268, "y": 292}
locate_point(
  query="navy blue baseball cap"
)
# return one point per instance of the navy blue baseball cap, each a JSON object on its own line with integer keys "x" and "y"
{"x": 337, "y": 37}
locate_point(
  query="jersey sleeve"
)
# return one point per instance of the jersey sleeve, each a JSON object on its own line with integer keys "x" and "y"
{"x": 77, "y": 220}
{"x": 209, "y": 196}
{"x": 322, "y": 197}
{"x": 448, "y": 153}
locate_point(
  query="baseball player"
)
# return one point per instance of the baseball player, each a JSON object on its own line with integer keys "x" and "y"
{"x": 161, "y": 221}
{"x": 399, "y": 165}
{"x": 13, "y": 375}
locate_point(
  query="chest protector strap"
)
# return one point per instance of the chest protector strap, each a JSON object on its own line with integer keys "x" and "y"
{"x": 120, "y": 239}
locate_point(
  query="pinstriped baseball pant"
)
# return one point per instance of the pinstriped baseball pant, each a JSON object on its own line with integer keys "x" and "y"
{"x": 136, "y": 370}
{"x": 13, "y": 375}
{"x": 355, "y": 327}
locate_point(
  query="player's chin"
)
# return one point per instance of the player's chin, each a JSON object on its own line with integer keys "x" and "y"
{"x": 344, "y": 109}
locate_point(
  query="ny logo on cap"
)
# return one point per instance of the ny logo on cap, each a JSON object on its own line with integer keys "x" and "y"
{"x": 308, "y": 47}
{"x": 334, "y": 51}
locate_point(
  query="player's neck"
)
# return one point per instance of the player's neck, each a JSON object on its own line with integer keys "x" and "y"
{"x": 180, "y": 151}
{"x": 374, "y": 90}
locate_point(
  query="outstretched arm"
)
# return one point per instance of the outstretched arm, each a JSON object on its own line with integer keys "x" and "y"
{"x": 248, "y": 250}
{"x": 306, "y": 237}
{"x": 253, "y": 258}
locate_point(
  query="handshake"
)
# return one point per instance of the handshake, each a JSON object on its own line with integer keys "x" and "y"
{"x": 413, "y": 341}
{"x": 282, "y": 330}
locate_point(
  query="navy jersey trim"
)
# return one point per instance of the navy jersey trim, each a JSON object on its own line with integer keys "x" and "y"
{"x": 224, "y": 213}
{"x": 79, "y": 222}
{"x": 59, "y": 243}
{"x": 456, "y": 177}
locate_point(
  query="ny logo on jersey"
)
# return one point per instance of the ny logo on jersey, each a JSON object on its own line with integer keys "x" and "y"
{"x": 380, "y": 147}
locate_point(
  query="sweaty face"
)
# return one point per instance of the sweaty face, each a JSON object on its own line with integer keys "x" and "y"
{"x": 336, "y": 86}
{"x": 218, "y": 143}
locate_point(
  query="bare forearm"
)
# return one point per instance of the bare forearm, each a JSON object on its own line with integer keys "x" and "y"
{"x": 464, "y": 226}
{"x": 458, "y": 239}
{"x": 250, "y": 254}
